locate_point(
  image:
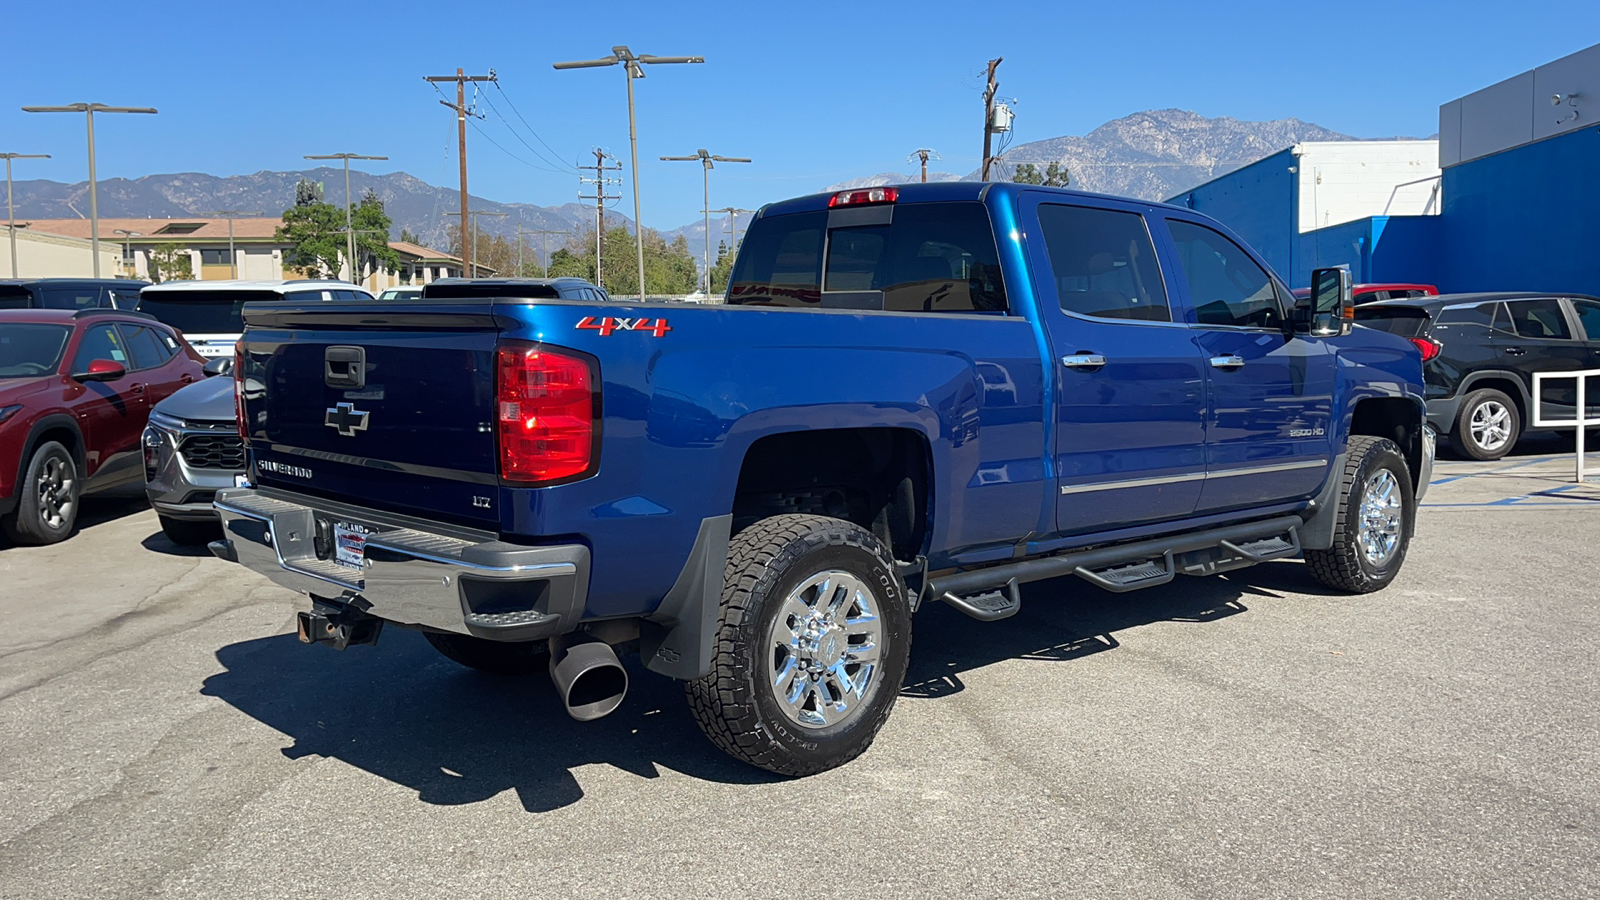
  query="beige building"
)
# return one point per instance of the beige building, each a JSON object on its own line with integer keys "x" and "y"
{"x": 128, "y": 245}
{"x": 41, "y": 255}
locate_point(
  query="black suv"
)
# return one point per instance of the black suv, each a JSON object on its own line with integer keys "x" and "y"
{"x": 69, "y": 293}
{"x": 1480, "y": 352}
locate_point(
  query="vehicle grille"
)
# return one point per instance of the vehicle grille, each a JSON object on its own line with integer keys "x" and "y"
{"x": 213, "y": 451}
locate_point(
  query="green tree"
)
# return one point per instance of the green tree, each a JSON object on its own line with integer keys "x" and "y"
{"x": 372, "y": 226}
{"x": 407, "y": 237}
{"x": 668, "y": 267}
{"x": 722, "y": 269}
{"x": 170, "y": 264}
{"x": 1054, "y": 175}
{"x": 311, "y": 227}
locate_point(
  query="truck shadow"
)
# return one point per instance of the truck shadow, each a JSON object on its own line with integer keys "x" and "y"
{"x": 1066, "y": 619}
{"x": 402, "y": 712}
{"x": 406, "y": 714}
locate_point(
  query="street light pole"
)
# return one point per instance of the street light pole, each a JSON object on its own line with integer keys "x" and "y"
{"x": 11, "y": 214}
{"x": 127, "y": 237}
{"x": 89, "y": 109}
{"x": 733, "y": 214}
{"x": 706, "y": 159}
{"x": 349, "y": 226}
{"x": 229, "y": 214}
{"x": 632, "y": 69}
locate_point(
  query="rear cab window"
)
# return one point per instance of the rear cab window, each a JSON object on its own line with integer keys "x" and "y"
{"x": 914, "y": 257}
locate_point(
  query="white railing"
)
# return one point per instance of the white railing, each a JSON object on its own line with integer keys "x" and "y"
{"x": 1581, "y": 419}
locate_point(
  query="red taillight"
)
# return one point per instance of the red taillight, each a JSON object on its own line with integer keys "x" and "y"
{"x": 238, "y": 390}
{"x": 546, "y": 411}
{"x": 1430, "y": 348}
{"x": 864, "y": 196}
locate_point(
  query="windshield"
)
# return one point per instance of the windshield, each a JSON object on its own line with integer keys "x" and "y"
{"x": 1406, "y": 321}
{"x": 27, "y": 350}
{"x": 202, "y": 312}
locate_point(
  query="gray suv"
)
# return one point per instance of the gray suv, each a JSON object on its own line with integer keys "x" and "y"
{"x": 191, "y": 450}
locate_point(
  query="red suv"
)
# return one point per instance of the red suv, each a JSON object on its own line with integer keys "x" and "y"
{"x": 75, "y": 391}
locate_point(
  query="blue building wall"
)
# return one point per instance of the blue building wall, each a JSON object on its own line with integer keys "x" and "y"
{"x": 1525, "y": 219}
{"x": 1522, "y": 219}
{"x": 1258, "y": 202}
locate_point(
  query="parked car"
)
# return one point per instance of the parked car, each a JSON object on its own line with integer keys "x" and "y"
{"x": 208, "y": 312}
{"x": 69, "y": 293}
{"x": 1480, "y": 354}
{"x": 413, "y": 292}
{"x": 526, "y": 288}
{"x": 75, "y": 391}
{"x": 192, "y": 449}
{"x": 913, "y": 394}
{"x": 1371, "y": 293}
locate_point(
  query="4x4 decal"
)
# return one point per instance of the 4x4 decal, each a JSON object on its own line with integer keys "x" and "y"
{"x": 607, "y": 325}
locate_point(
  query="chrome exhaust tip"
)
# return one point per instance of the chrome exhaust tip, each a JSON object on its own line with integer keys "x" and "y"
{"x": 588, "y": 676}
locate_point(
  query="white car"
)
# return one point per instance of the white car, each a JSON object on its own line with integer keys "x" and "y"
{"x": 210, "y": 313}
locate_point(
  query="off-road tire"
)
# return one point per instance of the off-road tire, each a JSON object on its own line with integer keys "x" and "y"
{"x": 734, "y": 705}
{"x": 494, "y": 657}
{"x": 1345, "y": 566}
{"x": 1461, "y": 434}
{"x": 190, "y": 532}
{"x": 26, "y": 524}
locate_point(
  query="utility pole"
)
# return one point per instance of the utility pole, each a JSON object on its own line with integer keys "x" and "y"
{"x": 469, "y": 245}
{"x": 460, "y": 106}
{"x": 11, "y": 213}
{"x": 988, "y": 114}
{"x": 89, "y": 109}
{"x": 706, "y": 159}
{"x": 633, "y": 69}
{"x": 349, "y": 222}
{"x": 600, "y": 181}
{"x": 231, "y": 214}
{"x": 544, "y": 245}
{"x": 923, "y": 154}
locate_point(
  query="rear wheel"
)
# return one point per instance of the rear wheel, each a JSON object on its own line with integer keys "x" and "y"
{"x": 494, "y": 657}
{"x": 812, "y": 645}
{"x": 190, "y": 533}
{"x": 47, "y": 505}
{"x": 1488, "y": 425}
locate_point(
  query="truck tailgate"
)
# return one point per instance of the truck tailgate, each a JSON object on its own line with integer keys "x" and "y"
{"x": 389, "y": 406}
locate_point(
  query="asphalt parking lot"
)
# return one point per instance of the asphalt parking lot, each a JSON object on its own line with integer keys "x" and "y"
{"x": 164, "y": 735}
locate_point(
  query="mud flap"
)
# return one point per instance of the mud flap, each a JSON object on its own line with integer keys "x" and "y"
{"x": 678, "y": 638}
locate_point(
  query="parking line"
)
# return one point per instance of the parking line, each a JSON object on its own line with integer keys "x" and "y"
{"x": 1526, "y": 462}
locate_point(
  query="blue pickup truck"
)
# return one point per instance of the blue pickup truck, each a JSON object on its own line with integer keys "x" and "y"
{"x": 912, "y": 394}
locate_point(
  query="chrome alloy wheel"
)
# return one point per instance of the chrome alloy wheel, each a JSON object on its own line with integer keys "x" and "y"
{"x": 55, "y": 491}
{"x": 825, "y": 643}
{"x": 1381, "y": 511}
{"x": 1490, "y": 425}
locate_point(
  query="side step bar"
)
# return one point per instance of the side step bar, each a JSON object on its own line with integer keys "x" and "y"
{"x": 991, "y": 593}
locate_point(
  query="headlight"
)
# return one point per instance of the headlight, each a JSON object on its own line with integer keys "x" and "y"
{"x": 7, "y": 412}
{"x": 170, "y": 424}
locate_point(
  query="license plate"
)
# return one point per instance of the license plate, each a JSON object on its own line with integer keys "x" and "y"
{"x": 349, "y": 544}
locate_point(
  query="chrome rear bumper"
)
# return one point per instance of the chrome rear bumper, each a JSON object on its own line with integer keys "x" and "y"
{"x": 485, "y": 587}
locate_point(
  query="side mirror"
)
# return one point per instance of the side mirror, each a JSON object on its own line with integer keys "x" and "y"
{"x": 219, "y": 365}
{"x": 1331, "y": 308}
{"x": 102, "y": 370}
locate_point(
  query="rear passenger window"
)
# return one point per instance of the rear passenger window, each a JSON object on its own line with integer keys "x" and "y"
{"x": 146, "y": 347}
{"x": 70, "y": 298}
{"x": 1227, "y": 287}
{"x": 1103, "y": 263}
{"x": 1589, "y": 316}
{"x": 1539, "y": 319}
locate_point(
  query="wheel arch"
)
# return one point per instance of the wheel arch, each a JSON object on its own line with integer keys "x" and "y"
{"x": 1505, "y": 382}
{"x": 58, "y": 427}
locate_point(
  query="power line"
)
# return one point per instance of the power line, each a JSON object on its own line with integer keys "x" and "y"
{"x": 525, "y": 121}
{"x": 519, "y": 137}
{"x": 519, "y": 159}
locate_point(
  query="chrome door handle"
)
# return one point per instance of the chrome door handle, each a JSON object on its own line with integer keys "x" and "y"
{"x": 1226, "y": 362}
{"x": 1083, "y": 361}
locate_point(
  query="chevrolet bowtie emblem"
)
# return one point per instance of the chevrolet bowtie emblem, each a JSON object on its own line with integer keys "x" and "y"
{"x": 346, "y": 419}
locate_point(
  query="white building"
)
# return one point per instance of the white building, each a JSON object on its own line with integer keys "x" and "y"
{"x": 56, "y": 256}
{"x": 1342, "y": 181}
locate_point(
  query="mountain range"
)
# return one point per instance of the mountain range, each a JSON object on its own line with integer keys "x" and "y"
{"x": 1149, "y": 155}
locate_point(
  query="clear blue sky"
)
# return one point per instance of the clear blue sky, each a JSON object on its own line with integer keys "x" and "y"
{"x": 814, "y": 91}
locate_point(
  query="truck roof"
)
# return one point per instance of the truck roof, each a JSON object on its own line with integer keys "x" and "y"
{"x": 947, "y": 191}
{"x": 256, "y": 285}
